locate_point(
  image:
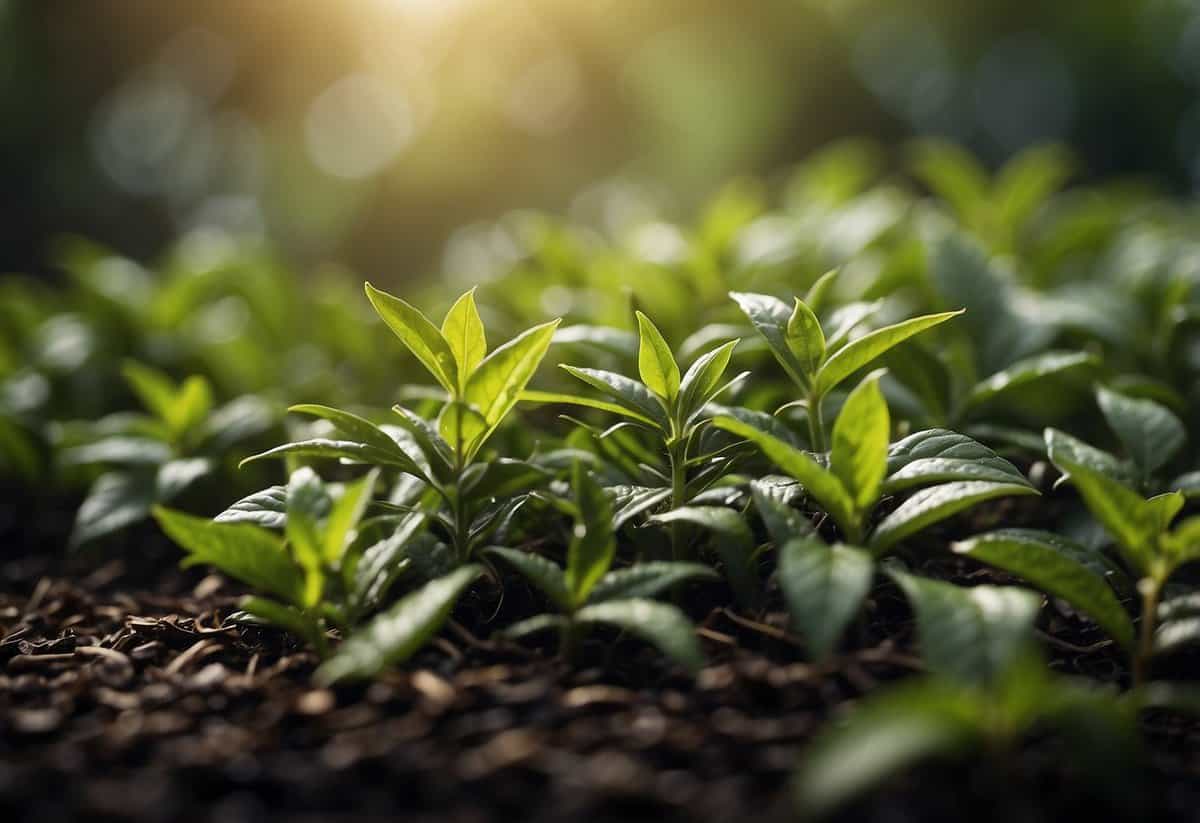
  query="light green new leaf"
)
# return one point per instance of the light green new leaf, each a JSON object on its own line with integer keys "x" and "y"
{"x": 628, "y": 393}
{"x": 500, "y": 378}
{"x": 935, "y": 504}
{"x": 656, "y": 364}
{"x": 824, "y": 587}
{"x": 703, "y": 378}
{"x": 154, "y": 389}
{"x": 248, "y": 553}
{"x": 308, "y": 503}
{"x": 820, "y": 291}
{"x": 420, "y": 336}
{"x": 347, "y": 510}
{"x": 860, "y": 443}
{"x": 191, "y": 405}
{"x": 544, "y": 574}
{"x": 593, "y": 543}
{"x": 351, "y": 426}
{"x": 1058, "y": 567}
{"x": 531, "y": 396}
{"x": 398, "y": 633}
{"x": 649, "y": 579}
{"x": 863, "y": 351}
{"x": 659, "y": 624}
{"x": 805, "y": 339}
{"x": 770, "y": 317}
{"x": 822, "y": 485}
{"x": 733, "y": 542}
{"x": 461, "y": 426}
{"x": 971, "y": 635}
{"x": 463, "y": 330}
{"x": 1150, "y": 433}
{"x": 886, "y": 734}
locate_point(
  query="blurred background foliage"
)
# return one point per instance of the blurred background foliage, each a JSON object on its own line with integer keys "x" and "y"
{"x": 364, "y": 133}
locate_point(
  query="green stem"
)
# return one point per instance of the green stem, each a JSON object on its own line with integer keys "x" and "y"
{"x": 1151, "y": 590}
{"x": 816, "y": 423}
{"x": 568, "y": 638}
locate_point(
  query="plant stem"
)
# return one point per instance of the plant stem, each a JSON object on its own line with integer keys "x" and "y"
{"x": 1151, "y": 590}
{"x": 816, "y": 423}
{"x": 567, "y": 639}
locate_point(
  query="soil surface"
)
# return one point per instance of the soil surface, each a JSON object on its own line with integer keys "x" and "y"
{"x": 126, "y": 695}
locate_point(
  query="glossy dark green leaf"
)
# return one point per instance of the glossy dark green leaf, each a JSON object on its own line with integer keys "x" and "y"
{"x": 1062, "y": 448}
{"x": 648, "y": 579}
{"x": 115, "y": 500}
{"x": 1150, "y": 433}
{"x": 1041, "y": 367}
{"x": 770, "y": 316}
{"x": 939, "y": 456}
{"x": 782, "y": 521}
{"x": 629, "y": 393}
{"x": 544, "y": 574}
{"x": 266, "y": 508}
{"x": 733, "y": 542}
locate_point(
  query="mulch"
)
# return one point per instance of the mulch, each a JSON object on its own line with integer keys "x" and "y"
{"x": 126, "y": 695}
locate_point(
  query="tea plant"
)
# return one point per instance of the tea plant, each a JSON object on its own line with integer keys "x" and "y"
{"x": 152, "y": 458}
{"x": 589, "y": 592}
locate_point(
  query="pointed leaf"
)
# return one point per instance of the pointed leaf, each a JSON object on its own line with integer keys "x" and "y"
{"x": 863, "y": 351}
{"x": 341, "y": 526}
{"x": 824, "y": 587}
{"x": 398, "y": 633}
{"x": 530, "y": 396}
{"x": 659, "y": 624}
{"x": 1058, "y": 567}
{"x": 1025, "y": 372}
{"x": 805, "y": 339}
{"x": 770, "y": 317}
{"x": 546, "y": 576}
{"x": 703, "y": 378}
{"x": 266, "y": 508}
{"x": 115, "y": 500}
{"x": 247, "y": 553}
{"x": 940, "y": 455}
{"x": 782, "y": 521}
{"x": 348, "y": 450}
{"x": 972, "y": 635}
{"x": 733, "y": 542}
{"x": 1062, "y": 448}
{"x": 421, "y": 337}
{"x": 1150, "y": 433}
{"x": 860, "y": 443}
{"x": 648, "y": 580}
{"x": 593, "y": 543}
{"x": 288, "y": 618}
{"x": 628, "y": 393}
{"x": 463, "y": 330}
{"x": 498, "y": 381}
{"x": 656, "y": 364}
{"x": 933, "y": 505}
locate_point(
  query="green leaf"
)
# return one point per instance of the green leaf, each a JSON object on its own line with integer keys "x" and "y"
{"x": 1025, "y": 372}
{"x": 544, "y": 574}
{"x": 656, "y": 364}
{"x": 421, "y": 337}
{"x": 860, "y": 443}
{"x": 940, "y": 455}
{"x": 174, "y": 476}
{"x": 266, "y": 508}
{"x": 341, "y": 526}
{"x": 248, "y": 553}
{"x": 535, "y": 624}
{"x": 1062, "y": 448}
{"x": 308, "y": 503}
{"x": 703, "y": 378}
{"x": 1150, "y": 433}
{"x": 782, "y": 521}
{"x": 119, "y": 450}
{"x": 629, "y": 393}
{"x": 884, "y": 735}
{"x": 648, "y": 579}
{"x": 1178, "y": 623}
{"x": 824, "y": 588}
{"x": 192, "y": 404}
{"x": 822, "y": 485}
{"x": 1134, "y": 523}
{"x": 461, "y": 426}
{"x": 154, "y": 389}
{"x": 348, "y": 450}
{"x": 115, "y": 500}
{"x": 588, "y": 402}
{"x": 1058, "y": 567}
{"x": 504, "y": 478}
{"x": 819, "y": 293}
{"x": 385, "y": 560}
{"x": 463, "y": 330}
{"x": 805, "y": 339}
{"x": 929, "y": 506}
{"x": 770, "y": 317}
{"x": 288, "y": 618}
{"x": 426, "y": 436}
{"x": 861, "y": 352}
{"x": 593, "y": 543}
{"x": 972, "y": 635}
{"x": 733, "y": 542}
{"x": 497, "y": 383}
{"x": 398, "y": 633}
{"x": 353, "y": 427}
{"x": 659, "y": 624}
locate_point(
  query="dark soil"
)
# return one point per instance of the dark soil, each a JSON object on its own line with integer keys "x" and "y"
{"x": 125, "y": 695}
